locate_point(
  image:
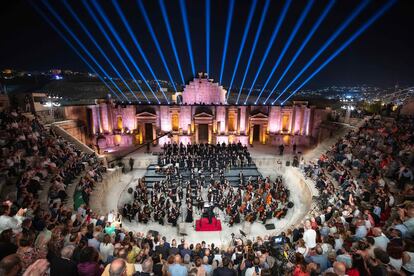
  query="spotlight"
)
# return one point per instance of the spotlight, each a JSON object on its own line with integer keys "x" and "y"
{"x": 118, "y": 39}
{"x": 74, "y": 15}
{"x": 183, "y": 10}
{"x": 171, "y": 38}
{"x": 256, "y": 39}
{"x": 367, "y": 24}
{"x": 49, "y": 7}
{"x": 270, "y": 44}
{"x": 305, "y": 42}
{"x": 157, "y": 44}
{"x": 245, "y": 33}
{"x": 121, "y": 43}
{"x": 287, "y": 45}
{"x": 208, "y": 4}
{"x": 226, "y": 39}
{"x": 341, "y": 28}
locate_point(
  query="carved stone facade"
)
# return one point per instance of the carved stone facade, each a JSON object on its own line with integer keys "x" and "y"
{"x": 213, "y": 121}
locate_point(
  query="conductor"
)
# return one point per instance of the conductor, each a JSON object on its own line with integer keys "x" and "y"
{"x": 208, "y": 213}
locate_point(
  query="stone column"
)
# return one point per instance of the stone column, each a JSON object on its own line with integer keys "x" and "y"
{"x": 210, "y": 133}
{"x": 251, "y": 134}
{"x": 196, "y": 133}
{"x": 238, "y": 121}
{"x": 154, "y": 134}
{"x": 293, "y": 121}
{"x": 264, "y": 130}
{"x": 110, "y": 117}
{"x": 141, "y": 133}
{"x": 227, "y": 122}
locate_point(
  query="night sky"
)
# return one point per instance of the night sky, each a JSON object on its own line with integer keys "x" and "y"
{"x": 382, "y": 56}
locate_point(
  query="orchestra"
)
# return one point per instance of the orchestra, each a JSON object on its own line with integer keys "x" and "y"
{"x": 258, "y": 199}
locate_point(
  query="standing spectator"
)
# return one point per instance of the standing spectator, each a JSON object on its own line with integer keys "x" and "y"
{"x": 10, "y": 265}
{"x": 131, "y": 163}
{"x": 309, "y": 236}
{"x": 89, "y": 265}
{"x": 226, "y": 270}
{"x": 7, "y": 247}
{"x": 117, "y": 267}
{"x": 177, "y": 269}
{"x": 106, "y": 248}
{"x": 359, "y": 267}
{"x": 63, "y": 265}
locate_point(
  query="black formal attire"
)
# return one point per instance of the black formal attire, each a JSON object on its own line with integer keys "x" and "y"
{"x": 62, "y": 267}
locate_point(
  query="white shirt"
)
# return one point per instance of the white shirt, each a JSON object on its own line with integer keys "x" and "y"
{"x": 309, "y": 236}
{"x": 7, "y": 222}
{"x": 251, "y": 270}
{"x": 381, "y": 242}
{"x": 106, "y": 250}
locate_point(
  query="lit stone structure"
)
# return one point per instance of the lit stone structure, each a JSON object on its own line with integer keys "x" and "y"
{"x": 202, "y": 117}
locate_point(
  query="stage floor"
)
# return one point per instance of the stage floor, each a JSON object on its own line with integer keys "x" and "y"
{"x": 117, "y": 196}
{"x": 264, "y": 157}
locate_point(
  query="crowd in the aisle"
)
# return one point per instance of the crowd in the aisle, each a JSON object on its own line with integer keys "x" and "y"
{"x": 362, "y": 222}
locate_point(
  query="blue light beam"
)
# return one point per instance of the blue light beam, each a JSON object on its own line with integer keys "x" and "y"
{"x": 341, "y": 28}
{"x": 55, "y": 28}
{"x": 270, "y": 44}
{"x": 133, "y": 37}
{"x": 171, "y": 38}
{"x": 183, "y": 9}
{"x": 121, "y": 43}
{"x": 114, "y": 48}
{"x": 56, "y": 15}
{"x": 74, "y": 15}
{"x": 156, "y": 42}
{"x": 245, "y": 33}
{"x": 364, "y": 27}
{"x": 305, "y": 42}
{"x": 286, "y": 47}
{"x": 208, "y": 4}
{"x": 256, "y": 39}
{"x": 226, "y": 38}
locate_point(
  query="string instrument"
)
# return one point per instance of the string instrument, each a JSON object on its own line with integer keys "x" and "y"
{"x": 261, "y": 209}
{"x": 228, "y": 209}
{"x": 268, "y": 199}
{"x": 249, "y": 217}
{"x": 242, "y": 207}
{"x": 278, "y": 213}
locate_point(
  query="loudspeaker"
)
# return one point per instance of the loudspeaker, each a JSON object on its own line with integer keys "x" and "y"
{"x": 290, "y": 204}
{"x": 153, "y": 233}
{"x": 287, "y": 163}
{"x": 182, "y": 229}
{"x": 270, "y": 226}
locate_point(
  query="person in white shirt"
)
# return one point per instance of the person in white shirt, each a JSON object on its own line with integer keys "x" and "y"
{"x": 8, "y": 222}
{"x": 309, "y": 236}
{"x": 381, "y": 241}
{"x": 106, "y": 248}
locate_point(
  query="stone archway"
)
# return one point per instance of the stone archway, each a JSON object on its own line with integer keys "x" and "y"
{"x": 146, "y": 126}
{"x": 258, "y": 128}
{"x": 203, "y": 121}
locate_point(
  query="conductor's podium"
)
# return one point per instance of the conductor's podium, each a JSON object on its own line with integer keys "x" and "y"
{"x": 203, "y": 225}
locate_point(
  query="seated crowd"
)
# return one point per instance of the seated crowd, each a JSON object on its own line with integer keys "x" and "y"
{"x": 363, "y": 222}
